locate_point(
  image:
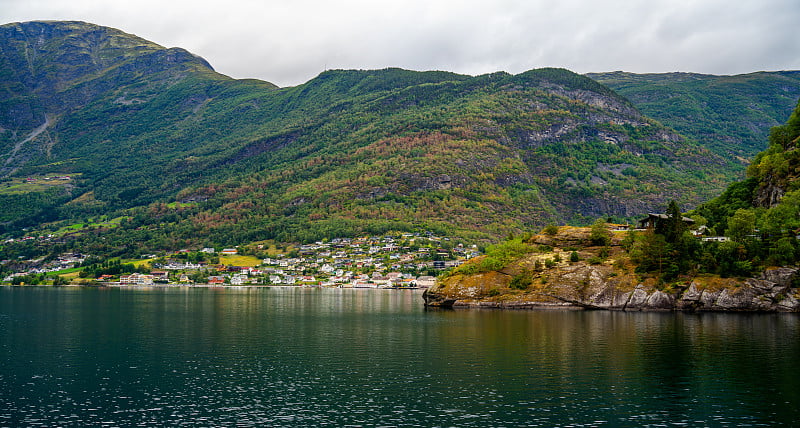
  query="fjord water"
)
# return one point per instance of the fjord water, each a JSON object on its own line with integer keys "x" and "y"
{"x": 301, "y": 357}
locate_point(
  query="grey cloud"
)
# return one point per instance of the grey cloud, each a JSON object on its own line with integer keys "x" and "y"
{"x": 289, "y": 42}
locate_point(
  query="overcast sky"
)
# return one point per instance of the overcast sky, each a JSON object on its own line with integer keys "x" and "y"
{"x": 288, "y": 42}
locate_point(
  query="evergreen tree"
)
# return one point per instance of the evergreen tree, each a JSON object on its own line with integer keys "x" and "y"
{"x": 600, "y": 235}
{"x": 673, "y": 227}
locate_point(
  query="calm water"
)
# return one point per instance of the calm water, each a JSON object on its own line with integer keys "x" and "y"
{"x": 291, "y": 356}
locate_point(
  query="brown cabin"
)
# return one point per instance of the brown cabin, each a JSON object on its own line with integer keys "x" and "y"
{"x": 653, "y": 220}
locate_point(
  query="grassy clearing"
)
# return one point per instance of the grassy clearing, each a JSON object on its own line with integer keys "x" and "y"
{"x": 72, "y": 228}
{"x": 66, "y": 272}
{"x": 239, "y": 261}
{"x": 141, "y": 262}
{"x": 70, "y": 276}
{"x": 174, "y": 205}
{"x": 34, "y": 184}
{"x": 271, "y": 247}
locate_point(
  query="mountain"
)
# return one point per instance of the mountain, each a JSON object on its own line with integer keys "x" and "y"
{"x": 98, "y": 125}
{"x": 749, "y": 264}
{"x": 731, "y": 115}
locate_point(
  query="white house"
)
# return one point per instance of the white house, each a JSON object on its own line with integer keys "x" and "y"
{"x": 426, "y": 281}
{"x": 136, "y": 279}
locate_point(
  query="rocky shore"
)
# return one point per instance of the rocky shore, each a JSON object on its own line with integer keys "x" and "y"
{"x": 596, "y": 287}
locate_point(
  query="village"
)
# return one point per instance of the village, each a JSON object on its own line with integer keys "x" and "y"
{"x": 407, "y": 260}
{"x": 391, "y": 261}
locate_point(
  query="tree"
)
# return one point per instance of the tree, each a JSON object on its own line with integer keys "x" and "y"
{"x": 741, "y": 225}
{"x": 59, "y": 280}
{"x": 600, "y": 235}
{"x": 673, "y": 227}
{"x": 651, "y": 252}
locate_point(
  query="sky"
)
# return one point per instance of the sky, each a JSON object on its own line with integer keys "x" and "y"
{"x": 288, "y": 42}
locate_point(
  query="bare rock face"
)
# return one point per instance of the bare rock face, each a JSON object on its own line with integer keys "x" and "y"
{"x": 768, "y": 194}
{"x": 638, "y": 300}
{"x": 592, "y": 287}
{"x": 690, "y": 300}
{"x": 660, "y": 300}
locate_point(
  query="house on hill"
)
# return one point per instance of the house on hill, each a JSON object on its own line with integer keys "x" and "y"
{"x": 654, "y": 221}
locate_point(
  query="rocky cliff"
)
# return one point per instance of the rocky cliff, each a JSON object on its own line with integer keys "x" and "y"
{"x": 611, "y": 284}
{"x": 591, "y": 287}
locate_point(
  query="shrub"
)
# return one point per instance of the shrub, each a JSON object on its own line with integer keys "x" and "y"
{"x": 491, "y": 263}
{"x": 594, "y": 260}
{"x": 550, "y": 229}
{"x": 574, "y": 257}
{"x": 600, "y": 235}
{"x": 521, "y": 281}
{"x": 507, "y": 251}
{"x": 467, "y": 269}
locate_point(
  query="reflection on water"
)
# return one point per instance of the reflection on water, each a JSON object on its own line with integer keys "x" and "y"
{"x": 294, "y": 356}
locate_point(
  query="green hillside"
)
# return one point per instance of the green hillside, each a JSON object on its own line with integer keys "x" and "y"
{"x": 769, "y": 199}
{"x": 731, "y": 115}
{"x": 189, "y": 157}
{"x": 737, "y": 252}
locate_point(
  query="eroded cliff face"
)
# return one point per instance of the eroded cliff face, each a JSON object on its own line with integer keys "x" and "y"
{"x": 610, "y": 285}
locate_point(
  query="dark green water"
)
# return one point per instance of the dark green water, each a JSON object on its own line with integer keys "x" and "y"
{"x": 308, "y": 357}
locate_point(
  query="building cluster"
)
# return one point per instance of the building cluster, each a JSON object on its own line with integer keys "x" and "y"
{"x": 36, "y": 267}
{"x": 369, "y": 262}
{"x": 399, "y": 261}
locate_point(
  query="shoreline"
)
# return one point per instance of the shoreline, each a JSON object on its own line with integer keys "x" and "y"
{"x": 140, "y": 286}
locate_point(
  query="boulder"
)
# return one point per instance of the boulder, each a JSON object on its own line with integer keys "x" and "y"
{"x": 638, "y": 299}
{"x": 660, "y": 300}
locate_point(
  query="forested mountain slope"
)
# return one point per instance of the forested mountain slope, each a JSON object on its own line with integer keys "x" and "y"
{"x": 728, "y": 114}
{"x": 188, "y": 156}
{"x": 741, "y": 255}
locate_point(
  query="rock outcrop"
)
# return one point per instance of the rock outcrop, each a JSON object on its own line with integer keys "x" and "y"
{"x": 596, "y": 287}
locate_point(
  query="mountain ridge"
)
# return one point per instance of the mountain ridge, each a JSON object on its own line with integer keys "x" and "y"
{"x": 192, "y": 155}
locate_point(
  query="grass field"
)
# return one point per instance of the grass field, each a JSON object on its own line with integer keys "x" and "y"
{"x": 79, "y": 226}
{"x": 33, "y": 184}
{"x": 271, "y": 247}
{"x": 239, "y": 261}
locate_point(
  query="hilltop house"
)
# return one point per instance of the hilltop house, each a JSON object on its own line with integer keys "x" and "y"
{"x": 653, "y": 221}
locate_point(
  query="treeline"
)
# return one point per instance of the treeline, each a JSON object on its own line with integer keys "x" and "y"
{"x": 671, "y": 250}
{"x": 96, "y": 268}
